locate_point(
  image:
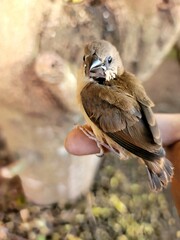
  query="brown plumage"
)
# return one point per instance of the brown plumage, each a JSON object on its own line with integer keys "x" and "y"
{"x": 116, "y": 106}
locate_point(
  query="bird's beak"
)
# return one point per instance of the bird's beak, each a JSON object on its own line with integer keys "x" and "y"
{"x": 97, "y": 68}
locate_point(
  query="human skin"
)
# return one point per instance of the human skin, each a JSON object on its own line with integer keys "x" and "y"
{"x": 78, "y": 143}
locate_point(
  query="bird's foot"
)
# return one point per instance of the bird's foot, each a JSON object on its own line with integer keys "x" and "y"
{"x": 89, "y": 133}
{"x": 101, "y": 145}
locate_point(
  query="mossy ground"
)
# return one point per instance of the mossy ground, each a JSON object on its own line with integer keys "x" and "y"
{"x": 120, "y": 206}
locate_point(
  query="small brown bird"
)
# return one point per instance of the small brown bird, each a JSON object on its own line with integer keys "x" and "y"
{"x": 118, "y": 110}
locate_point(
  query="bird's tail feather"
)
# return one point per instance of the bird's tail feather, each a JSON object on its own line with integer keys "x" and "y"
{"x": 160, "y": 173}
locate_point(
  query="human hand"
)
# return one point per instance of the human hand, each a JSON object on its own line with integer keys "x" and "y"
{"x": 78, "y": 143}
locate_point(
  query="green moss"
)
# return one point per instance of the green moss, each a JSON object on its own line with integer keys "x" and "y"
{"x": 101, "y": 212}
{"x": 114, "y": 182}
{"x": 118, "y": 204}
{"x": 80, "y": 218}
{"x": 41, "y": 237}
{"x": 122, "y": 237}
{"x": 72, "y": 237}
{"x": 102, "y": 234}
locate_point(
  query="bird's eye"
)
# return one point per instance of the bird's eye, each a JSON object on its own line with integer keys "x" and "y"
{"x": 84, "y": 58}
{"x": 109, "y": 59}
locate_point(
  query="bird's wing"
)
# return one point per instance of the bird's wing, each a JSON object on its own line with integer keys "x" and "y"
{"x": 145, "y": 104}
{"x": 124, "y": 119}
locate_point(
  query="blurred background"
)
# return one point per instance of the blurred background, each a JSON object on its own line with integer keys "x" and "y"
{"x": 45, "y": 192}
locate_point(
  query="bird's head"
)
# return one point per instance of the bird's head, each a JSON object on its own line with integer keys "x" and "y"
{"x": 102, "y": 61}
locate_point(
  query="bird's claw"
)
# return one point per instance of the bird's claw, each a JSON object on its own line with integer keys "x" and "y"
{"x": 101, "y": 152}
{"x": 90, "y": 135}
